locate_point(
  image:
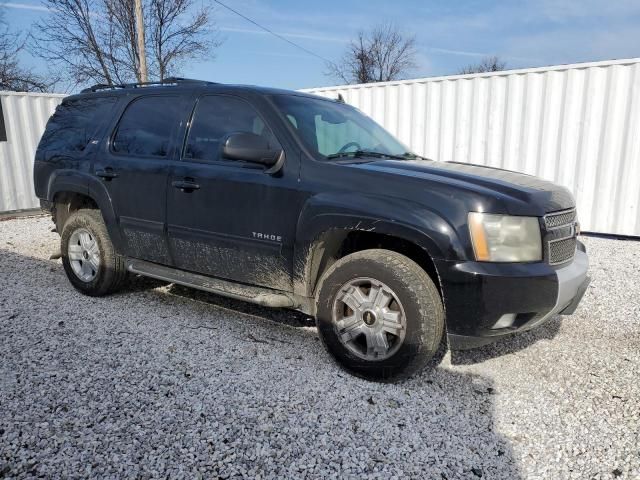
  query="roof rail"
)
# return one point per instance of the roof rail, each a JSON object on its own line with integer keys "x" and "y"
{"x": 166, "y": 81}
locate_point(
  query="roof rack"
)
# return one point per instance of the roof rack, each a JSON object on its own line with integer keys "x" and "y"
{"x": 166, "y": 81}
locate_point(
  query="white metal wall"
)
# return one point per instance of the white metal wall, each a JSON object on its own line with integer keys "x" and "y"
{"x": 578, "y": 125}
{"x": 25, "y": 116}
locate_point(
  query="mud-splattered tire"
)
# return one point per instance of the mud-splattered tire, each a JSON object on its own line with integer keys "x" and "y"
{"x": 89, "y": 259}
{"x": 379, "y": 314}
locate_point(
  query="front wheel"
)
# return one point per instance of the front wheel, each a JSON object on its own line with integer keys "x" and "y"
{"x": 88, "y": 256}
{"x": 379, "y": 314}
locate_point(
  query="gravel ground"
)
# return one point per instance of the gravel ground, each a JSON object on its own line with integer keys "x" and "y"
{"x": 162, "y": 381}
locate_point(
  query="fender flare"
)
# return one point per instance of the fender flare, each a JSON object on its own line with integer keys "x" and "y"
{"x": 88, "y": 185}
{"x": 327, "y": 219}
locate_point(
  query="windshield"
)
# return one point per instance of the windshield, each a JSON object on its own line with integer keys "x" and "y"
{"x": 334, "y": 130}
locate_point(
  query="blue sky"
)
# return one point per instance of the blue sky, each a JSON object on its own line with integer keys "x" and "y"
{"x": 449, "y": 35}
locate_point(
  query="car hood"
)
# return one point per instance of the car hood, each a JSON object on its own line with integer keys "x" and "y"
{"x": 520, "y": 187}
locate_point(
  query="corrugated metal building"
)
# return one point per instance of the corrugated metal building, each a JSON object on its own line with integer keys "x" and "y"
{"x": 24, "y": 117}
{"x": 578, "y": 125}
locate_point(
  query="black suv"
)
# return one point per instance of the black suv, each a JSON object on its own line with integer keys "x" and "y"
{"x": 291, "y": 200}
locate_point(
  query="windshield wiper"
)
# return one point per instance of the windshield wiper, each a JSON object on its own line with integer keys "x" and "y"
{"x": 365, "y": 153}
{"x": 413, "y": 156}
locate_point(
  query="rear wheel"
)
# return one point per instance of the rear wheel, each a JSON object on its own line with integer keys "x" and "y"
{"x": 88, "y": 256}
{"x": 379, "y": 314}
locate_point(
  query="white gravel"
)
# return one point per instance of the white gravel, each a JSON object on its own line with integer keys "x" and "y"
{"x": 162, "y": 381}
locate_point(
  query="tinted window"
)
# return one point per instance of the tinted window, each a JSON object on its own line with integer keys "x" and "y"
{"x": 216, "y": 117}
{"x": 146, "y": 126}
{"x": 74, "y": 123}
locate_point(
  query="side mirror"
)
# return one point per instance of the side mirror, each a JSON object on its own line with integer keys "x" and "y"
{"x": 250, "y": 148}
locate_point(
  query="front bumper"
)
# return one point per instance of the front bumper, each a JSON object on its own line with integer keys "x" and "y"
{"x": 487, "y": 301}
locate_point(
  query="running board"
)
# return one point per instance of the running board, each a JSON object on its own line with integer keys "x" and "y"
{"x": 258, "y": 295}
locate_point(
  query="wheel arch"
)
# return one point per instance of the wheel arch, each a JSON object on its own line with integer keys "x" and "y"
{"x": 75, "y": 190}
{"x": 325, "y": 236}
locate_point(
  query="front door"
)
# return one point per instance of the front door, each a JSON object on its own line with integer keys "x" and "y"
{"x": 135, "y": 168}
{"x": 229, "y": 218}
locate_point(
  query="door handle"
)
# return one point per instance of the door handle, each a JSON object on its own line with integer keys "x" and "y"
{"x": 107, "y": 173}
{"x": 186, "y": 185}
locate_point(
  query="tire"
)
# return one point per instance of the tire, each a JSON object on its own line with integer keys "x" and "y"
{"x": 84, "y": 239}
{"x": 357, "y": 345}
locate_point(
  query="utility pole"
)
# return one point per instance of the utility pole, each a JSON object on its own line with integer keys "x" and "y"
{"x": 142, "y": 55}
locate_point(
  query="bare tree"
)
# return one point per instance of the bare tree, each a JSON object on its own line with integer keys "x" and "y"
{"x": 13, "y": 75}
{"x": 175, "y": 38}
{"x": 487, "y": 64}
{"x": 96, "y": 40}
{"x": 75, "y": 38}
{"x": 121, "y": 39}
{"x": 381, "y": 55}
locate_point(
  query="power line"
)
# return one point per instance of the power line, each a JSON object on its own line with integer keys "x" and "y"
{"x": 274, "y": 33}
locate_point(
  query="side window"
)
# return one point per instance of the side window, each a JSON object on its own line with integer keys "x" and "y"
{"x": 74, "y": 123}
{"x": 146, "y": 126}
{"x": 215, "y": 117}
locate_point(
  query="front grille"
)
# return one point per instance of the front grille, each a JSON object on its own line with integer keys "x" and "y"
{"x": 561, "y": 251}
{"x": 560, "y": 219}
{"x": 561, "y": 236}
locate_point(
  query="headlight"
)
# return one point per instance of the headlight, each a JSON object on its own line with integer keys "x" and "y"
{"x": 503, "y": 238}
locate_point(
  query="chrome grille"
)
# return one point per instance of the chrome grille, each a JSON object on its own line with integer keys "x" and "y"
{"x": 561, "y": 237}
{"x": 560, "y": 219}
{"x": 561, "y": 251}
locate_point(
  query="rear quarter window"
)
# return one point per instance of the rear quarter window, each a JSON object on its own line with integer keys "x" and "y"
{"x": 75, "y": 123}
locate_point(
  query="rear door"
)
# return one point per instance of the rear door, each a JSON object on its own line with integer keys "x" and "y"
{"x": 135, "y": 167}
{"x": 237, "y": 221}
